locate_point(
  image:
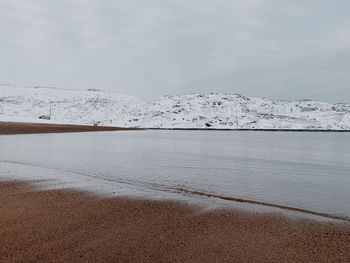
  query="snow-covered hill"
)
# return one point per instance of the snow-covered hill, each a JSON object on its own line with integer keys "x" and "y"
{"x": 67, "y": 106}
{"x": 218, "y": 111}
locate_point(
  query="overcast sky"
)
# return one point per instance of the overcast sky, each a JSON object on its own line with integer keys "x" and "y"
{"x": 148, "y": 48}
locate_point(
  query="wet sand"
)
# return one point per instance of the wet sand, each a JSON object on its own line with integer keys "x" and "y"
{"x": 67, "y": 226}
{"x": 7, "y": 128}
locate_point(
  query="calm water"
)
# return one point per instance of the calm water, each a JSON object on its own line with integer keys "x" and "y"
{"x": 304, "y": 170}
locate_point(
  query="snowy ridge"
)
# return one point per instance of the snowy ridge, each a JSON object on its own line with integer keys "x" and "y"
{"x": 214, "y": 111}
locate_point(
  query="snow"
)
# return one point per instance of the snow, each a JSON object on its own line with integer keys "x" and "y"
{"x": 215, "y": 111}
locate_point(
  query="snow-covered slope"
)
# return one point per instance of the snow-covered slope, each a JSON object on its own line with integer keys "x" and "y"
{"x": 237, "y": 111}
{"x": 66, "y": 106}
{"x": 218, "y": 111}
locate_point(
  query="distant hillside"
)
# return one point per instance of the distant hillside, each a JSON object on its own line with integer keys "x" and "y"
{"x": 215, "y": 111}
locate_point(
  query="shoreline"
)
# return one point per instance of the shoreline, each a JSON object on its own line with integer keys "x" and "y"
{"x": 252, "y": 130}
{"x": 72, "y": 226}
{"x": 13, "y": 128}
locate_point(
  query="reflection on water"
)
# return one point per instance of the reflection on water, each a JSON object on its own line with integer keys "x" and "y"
{"x": 304, "y": 170}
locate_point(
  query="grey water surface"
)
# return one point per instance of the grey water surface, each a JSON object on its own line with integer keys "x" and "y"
{"x": 304, "y": 170}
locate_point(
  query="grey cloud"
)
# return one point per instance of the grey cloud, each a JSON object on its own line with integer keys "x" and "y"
{"x": 268, "y": 48}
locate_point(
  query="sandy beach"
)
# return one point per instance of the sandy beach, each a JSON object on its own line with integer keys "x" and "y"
{"x": 64, "y": 226}
{"x": 70, "y": 226}
{"x": 7, "y": 128}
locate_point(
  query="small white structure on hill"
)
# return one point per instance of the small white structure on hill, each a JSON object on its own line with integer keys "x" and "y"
{"x": 46, "y": 117}
{"x": 97, "y": 123}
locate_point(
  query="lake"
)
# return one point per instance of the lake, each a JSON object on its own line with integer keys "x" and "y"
{"x": 304, "y": 170}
